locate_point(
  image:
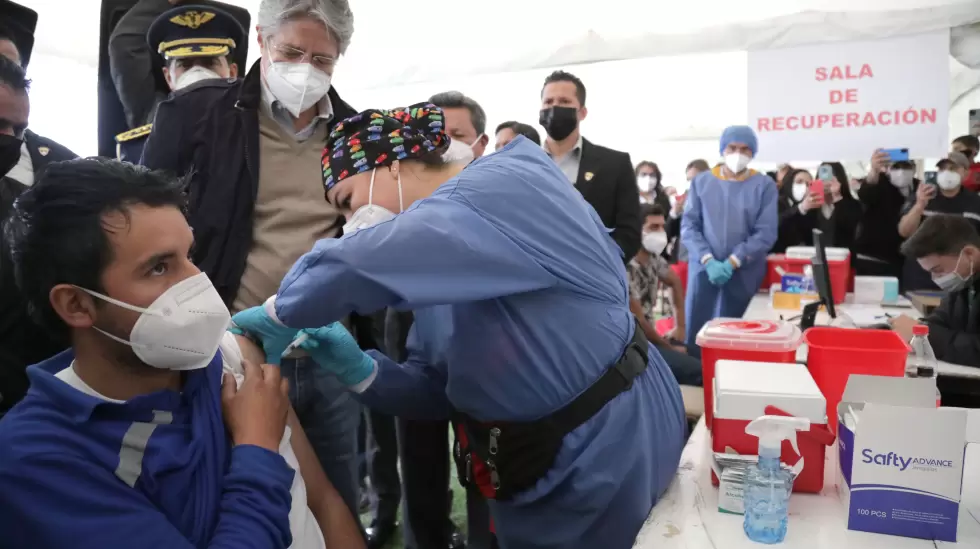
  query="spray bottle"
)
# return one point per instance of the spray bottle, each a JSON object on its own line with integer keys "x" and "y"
{"x": 767, "y": 485}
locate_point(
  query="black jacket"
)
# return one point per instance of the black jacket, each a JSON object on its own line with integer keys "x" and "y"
{"x": 212, "y": 132}
{"x": 877, "y": 234}
{"x": 606, "y": 180}
{"x": 954, "y": 327}
{"x": 22, "y": 342}
{"x": 796, "y": 229}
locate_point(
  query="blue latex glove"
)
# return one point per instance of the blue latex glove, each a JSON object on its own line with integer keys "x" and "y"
{"x": 333, "y": 348}
{"x": 719, "y": 272}
{"x": 274, "y": 336}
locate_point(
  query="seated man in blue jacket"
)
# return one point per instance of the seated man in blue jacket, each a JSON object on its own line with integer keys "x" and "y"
{"x": 152, "y": 431}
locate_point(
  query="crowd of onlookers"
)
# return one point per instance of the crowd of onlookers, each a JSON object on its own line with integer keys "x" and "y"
{"x": 868, "y": 216}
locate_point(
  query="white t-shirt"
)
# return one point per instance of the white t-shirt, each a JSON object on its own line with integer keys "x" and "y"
{"x": 23, "y": 171}
{"x": 302, "y": 523}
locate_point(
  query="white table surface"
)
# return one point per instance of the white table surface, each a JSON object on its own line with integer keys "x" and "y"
{"x": 761, "y": 309}
{"x": 687, "y": 516}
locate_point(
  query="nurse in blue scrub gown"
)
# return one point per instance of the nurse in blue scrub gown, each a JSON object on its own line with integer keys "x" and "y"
{"x": 521, "y": 304}
{"x": 730, "y": 223}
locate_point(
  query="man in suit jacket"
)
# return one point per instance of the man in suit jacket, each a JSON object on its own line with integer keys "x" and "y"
{"x": 603, "y": 176}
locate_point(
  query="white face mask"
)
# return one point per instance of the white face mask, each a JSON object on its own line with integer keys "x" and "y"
{"x": 459, "y": 151}
{"x": 371, "y": 214}
{"x": 655, "y": 242}
{"x": 181, "y": 329}
{"x": 194, "y": 75}
{"x": 799, "y": 191}
{"x": 298, "y": 86}
{"x": 948, "y": 180}
{"x": 646, "y": 183}
{"x": 737, "y": 162}
{"x": 900, "y": 178}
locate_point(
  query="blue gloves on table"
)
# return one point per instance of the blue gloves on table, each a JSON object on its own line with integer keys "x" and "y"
{"x": 333, "y": 348}
{"x": 274, "y": 336}
{"x": 719, "y": 272}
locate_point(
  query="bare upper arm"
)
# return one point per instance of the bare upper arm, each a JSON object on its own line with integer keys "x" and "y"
{"x": 250, "y": 351}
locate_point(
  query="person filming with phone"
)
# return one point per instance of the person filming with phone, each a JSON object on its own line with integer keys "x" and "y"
{"x": 882, "y": 195}
{"x": 946, "y": 196}
{"x": 823, "y": 203}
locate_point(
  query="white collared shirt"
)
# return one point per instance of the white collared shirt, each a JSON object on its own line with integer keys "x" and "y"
{"x": 285, "y": 119}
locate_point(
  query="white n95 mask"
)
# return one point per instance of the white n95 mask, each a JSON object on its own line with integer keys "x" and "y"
{"x": 298, "y": 86}
{"x": 900, "y": 178}
{"x": 459, "y": 151}
{"x": 194, "y": 75}
{"x": 181, "y": 329}
{"x": 799, "y": 191}
{"x": 371, "y": 214}
{"x": 655, "y": 242}
{"x": 737, "y": 162}
{"x": 645, "y": 183}
{"x": 948, "y": 180}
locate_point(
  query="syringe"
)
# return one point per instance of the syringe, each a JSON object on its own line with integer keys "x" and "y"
{"x": 303, "y": 336}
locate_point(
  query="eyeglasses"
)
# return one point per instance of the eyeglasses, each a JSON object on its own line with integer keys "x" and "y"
{"x": 294, "y": 55}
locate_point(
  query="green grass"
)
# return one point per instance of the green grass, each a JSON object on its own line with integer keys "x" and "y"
{"x": 458, "y": 512}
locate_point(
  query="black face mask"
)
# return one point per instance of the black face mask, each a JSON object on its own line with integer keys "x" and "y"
{"x": 559, "y": 122}
{"x": 9, "y": 153}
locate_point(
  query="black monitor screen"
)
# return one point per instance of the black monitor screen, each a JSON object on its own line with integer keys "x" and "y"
{"x": 821, "y": 273}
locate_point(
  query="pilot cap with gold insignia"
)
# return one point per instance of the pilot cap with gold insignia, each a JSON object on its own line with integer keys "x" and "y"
{"x": 195, "y": 31}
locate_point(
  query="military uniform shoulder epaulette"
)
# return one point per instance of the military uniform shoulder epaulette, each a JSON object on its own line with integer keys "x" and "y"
{"x": 134, "y": 133}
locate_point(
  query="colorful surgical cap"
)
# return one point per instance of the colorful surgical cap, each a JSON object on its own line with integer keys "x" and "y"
{"x": 377, "y": 138}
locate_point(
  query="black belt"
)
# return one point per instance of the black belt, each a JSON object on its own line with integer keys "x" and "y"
{"x": 517, "y": 454}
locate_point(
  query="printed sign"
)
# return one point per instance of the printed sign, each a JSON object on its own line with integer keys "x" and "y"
{"x": 843, "y": 100}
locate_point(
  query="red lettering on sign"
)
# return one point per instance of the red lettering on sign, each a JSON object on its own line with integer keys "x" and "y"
{"x": 845, "y": 72}
{"x": 910, "y": 116}
{"x": 851, "y": 95}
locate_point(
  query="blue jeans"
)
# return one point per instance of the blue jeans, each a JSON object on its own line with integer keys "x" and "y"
{"x": 686, "y": 368}
{"x": 330, "y": 417}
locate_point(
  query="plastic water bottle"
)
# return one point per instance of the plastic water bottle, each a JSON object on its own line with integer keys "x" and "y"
{"x": 809, "y": 285}
{"x": 922, "y": 362}
{"x": 767, "y": 485}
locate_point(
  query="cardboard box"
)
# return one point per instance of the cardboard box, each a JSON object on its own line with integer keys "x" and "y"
{"x": 875, "y": 289}
{"x": 901, "y": 466}
{"x": 925, "y": 302}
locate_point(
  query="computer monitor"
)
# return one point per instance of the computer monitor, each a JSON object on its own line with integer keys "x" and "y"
{"x": 821, "y": 277}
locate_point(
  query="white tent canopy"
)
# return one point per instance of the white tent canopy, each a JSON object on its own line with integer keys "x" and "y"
{"x": 679, "y": 66}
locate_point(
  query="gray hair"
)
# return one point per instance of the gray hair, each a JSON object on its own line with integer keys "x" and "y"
{"x": 456, "y": 100}
{"x": 335, "y": 14}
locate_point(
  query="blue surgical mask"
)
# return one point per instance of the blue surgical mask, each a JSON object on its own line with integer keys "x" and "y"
{"x": 953, "y": 281}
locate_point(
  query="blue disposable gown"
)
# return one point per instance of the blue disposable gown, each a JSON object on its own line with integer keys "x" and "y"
{"x": 520, "y": 300}
{"x": 724, "y": 218}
